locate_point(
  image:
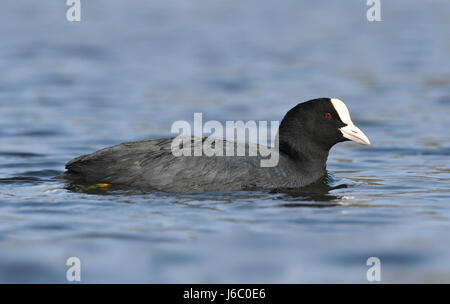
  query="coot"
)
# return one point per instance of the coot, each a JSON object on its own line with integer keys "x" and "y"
{"x": 305, "y": 136}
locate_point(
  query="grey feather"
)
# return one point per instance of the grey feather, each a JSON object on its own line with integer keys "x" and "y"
{"x": 151, "y": 165}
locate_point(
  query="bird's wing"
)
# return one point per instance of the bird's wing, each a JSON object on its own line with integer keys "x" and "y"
{"x": 151, "y": 163}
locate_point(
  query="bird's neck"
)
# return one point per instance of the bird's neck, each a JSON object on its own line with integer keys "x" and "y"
{"x": 307, "y": 155}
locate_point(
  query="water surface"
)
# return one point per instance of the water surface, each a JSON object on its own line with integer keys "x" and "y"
{"x": 129, "y": 69}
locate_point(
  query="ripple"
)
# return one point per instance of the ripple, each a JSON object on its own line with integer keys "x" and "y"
{"x": 40, "y": 173}
{"x": 19, "y": 180}
{"x": 20, "y": 154}
{"x": 388, "y": 258}
{"x": 31, "y": 165}
{"x": 40, "y": 133}
{"x": 406, "y": 151}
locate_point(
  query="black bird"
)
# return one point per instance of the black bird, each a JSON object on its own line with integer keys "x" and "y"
{"x": 305, "y": 136}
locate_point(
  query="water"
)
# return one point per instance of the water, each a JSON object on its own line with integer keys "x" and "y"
{"x": 129, "y": 69}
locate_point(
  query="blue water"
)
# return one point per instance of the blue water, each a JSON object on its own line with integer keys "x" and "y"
{"x": 129, "y": 69}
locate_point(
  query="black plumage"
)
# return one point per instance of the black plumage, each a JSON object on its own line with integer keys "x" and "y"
{"x": 306, "y": 134}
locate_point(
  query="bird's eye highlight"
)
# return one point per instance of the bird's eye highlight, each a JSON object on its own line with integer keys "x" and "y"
{"x": 328, "y": 115}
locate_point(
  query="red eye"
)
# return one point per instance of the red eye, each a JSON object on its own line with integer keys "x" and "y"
{"x": 328, "y": 115}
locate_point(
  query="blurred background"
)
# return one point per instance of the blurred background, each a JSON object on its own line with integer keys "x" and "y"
{"x": 129, "y": 69}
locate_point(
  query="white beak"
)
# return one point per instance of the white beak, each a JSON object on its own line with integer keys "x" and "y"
{"x": 352, "y": 132}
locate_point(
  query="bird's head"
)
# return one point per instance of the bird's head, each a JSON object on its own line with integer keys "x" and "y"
{"x": 319, "y": 123}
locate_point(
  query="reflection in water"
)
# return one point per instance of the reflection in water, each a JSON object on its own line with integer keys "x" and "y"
{"x": 317, "y": 192}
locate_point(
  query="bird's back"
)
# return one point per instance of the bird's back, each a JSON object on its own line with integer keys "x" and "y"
{"x": 152, "y": 165}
